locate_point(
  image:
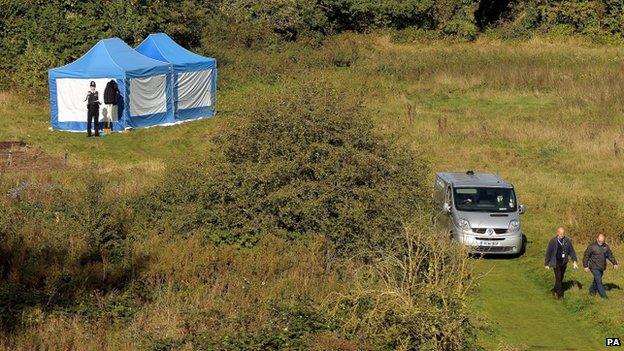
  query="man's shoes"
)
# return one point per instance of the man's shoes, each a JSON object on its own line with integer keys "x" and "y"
{"x": 557, "y": 296}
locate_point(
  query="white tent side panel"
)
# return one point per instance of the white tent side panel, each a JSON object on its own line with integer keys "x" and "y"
{"x": 195, "y": 89}
{"x": 148, "y": 95}
{"x": 71, "y": 94}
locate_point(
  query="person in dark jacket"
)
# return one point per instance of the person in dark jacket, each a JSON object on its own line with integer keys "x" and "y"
{"x": 558, "y": 253}
{"x": 93, "y": 109}
{"x": 595, "y": 261}
{"x": 110, "y": 100}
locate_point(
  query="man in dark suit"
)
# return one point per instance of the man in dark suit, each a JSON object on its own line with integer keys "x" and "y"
{"x": 558, "y": 253}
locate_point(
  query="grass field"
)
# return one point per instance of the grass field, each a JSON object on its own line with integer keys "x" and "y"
{"x": 546, "y": 115}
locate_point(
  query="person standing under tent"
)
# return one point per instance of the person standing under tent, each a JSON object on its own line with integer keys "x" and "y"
{"x": 110, "y": 100}
{"x": 93, "y": 110}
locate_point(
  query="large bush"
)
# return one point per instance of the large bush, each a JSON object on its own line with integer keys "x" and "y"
{"x": 309, "y": 161}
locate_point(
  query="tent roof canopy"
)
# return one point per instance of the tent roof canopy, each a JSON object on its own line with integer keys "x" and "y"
{"x": 112, "y": 58}
{"x": 161, "y": 47}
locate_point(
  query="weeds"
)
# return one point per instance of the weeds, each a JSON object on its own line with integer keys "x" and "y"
{"x": 412, "y": 298}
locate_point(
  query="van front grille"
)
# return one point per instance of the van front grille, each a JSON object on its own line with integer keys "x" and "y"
{"x": 483, "y": 230}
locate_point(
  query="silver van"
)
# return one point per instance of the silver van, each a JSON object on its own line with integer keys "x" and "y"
{"x": 481, "y": 211}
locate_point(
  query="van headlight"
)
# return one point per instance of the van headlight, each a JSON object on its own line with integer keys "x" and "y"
{"x": 514, "y": 225}
{"x": 464, "y": 224}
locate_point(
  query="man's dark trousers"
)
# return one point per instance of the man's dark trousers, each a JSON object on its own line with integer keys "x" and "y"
{"x": 559, "y": 272}
{"x": 597, "y": 283}
{"x": 93, "y": 111}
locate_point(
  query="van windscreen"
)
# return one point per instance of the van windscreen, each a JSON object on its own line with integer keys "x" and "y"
{"x": 484, "y": 199}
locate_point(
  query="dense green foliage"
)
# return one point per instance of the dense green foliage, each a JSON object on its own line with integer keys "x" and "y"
{"x": 307, "y": 162}
{"x": 599, "y": 19}
{"x": 37, "y": 35}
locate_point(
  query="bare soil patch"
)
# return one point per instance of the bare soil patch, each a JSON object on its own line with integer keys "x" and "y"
{"x": 21, "y": 156}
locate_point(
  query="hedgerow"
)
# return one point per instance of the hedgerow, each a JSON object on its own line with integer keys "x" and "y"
{"x": 37, "y": 35}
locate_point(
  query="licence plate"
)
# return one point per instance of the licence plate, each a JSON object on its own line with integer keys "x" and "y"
{"x": 488, "y": 243}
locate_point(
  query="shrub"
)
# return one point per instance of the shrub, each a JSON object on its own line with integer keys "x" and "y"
{"x": 289, "y": 295}
{"x": 307, "y": 162}
{"x": 104, "y": 223}
{"x": 589, "y": 17}
{"x": 31, "y": 71}
{"x": 457, "y": 18}
{"x": 250, "y": 23}
{"x": 511, "y": 32}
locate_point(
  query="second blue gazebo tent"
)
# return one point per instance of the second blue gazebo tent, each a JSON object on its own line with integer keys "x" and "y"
{"x": 194, "y": 76}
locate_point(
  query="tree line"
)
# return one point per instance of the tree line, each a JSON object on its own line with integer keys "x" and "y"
{"x": 36, "y": 34}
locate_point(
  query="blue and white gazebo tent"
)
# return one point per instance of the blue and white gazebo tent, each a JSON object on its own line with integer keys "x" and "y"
{"x": 146, "y": 93}
{"x": 194, "y": 76}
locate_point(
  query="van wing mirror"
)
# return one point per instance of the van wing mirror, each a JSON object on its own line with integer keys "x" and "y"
{"x": 446, "y": 207}
{"x": 521, "y": 209}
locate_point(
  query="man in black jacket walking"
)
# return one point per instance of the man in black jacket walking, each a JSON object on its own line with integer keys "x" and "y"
{"x": 559, "y": 250}
{"x": 595, "y": 261}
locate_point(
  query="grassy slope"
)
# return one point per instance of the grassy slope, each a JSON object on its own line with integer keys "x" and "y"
{"x": 545, "y": 116}
{"x": 524, "y": 315}
{"x": 519, "y": 116}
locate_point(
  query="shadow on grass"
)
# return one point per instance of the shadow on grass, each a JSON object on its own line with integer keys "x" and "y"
{"x": 71, "y": 290}
{"x": 567, "y": 285}
{"x": 611, "y": 286}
